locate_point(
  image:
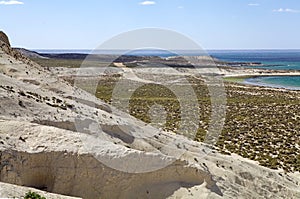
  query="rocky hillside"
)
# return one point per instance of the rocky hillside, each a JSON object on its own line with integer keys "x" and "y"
{"x": 29, "y": 53}
{"x": 58, "y": 138}
{"x": 4, "y": 38}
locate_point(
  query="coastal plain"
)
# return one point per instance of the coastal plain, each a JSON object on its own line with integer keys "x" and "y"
{"x": 49, "y": 115}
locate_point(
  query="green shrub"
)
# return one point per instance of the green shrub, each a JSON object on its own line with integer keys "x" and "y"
{"x": 33, "y": 195}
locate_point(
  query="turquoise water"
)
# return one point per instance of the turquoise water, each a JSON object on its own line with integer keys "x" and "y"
{"x": 271, "y": 59}
{"x": 287, "y": 65}
{"x": 289, "y": 82}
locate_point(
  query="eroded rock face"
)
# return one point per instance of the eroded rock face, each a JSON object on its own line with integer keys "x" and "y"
{"x": 15, "y": 191}
{"x": 38, "y": 158}
{"x": 56, "y": 160}
{"x": 4, "y": 38}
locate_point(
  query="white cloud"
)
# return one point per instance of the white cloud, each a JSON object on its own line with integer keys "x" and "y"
{"x": 180, "y": 7}
{"x": 253, "y": 4}
{"x": 11, "y": 2}
{"x": 285, "y": 10}
{"x": 147, "y": 3}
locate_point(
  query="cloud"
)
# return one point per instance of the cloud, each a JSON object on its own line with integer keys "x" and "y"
{"x": 285, "y": 10}
{"x": 11, "y": 2}
{"x": 180, "y": 7}
{"x": 147, "y": 3}
{"x": 253, "y": 4}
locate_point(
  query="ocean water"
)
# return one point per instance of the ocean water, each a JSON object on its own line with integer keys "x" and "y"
{"x": 271, "y": 59}
{"x": 289, "y": 82}
{"x": 140, "y": 52}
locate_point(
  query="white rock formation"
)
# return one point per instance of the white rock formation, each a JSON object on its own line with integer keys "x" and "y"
{"x": 15, "y": 191}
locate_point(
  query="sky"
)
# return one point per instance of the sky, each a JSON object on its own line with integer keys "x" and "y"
{"x": 213, "y": 24}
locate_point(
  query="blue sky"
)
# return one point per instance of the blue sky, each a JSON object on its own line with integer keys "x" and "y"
{"x": 214, "y": 24}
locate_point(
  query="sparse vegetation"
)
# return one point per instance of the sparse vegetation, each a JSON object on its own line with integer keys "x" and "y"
{"x": 33, "y": 195}
{"x": 236, "y": 79}
{"x": 261, "y": 124}
{"x": 68, "y": 63}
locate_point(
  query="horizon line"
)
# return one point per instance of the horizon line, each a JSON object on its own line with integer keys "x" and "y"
{"x": 213, "y": 49}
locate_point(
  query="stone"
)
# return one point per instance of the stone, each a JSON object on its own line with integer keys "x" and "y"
{"x": 4, "y": 38}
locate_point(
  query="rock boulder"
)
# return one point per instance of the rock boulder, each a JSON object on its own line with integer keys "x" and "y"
{"x": 4, "y": 38}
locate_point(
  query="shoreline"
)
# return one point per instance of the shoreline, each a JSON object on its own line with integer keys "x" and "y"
{"x": 251, "y": 81}
{"x": 245, "y": 76}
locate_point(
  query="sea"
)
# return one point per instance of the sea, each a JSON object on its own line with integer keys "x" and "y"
{"x": 270, "y": 59}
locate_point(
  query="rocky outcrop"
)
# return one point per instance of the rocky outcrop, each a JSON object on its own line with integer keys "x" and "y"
{"x": 59, "y": 161}
{"x": 41, "y": 161}
{"x": 4, "y": 38}
{"x": 29, "y": 53}
{"x": 15, "y": 191}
